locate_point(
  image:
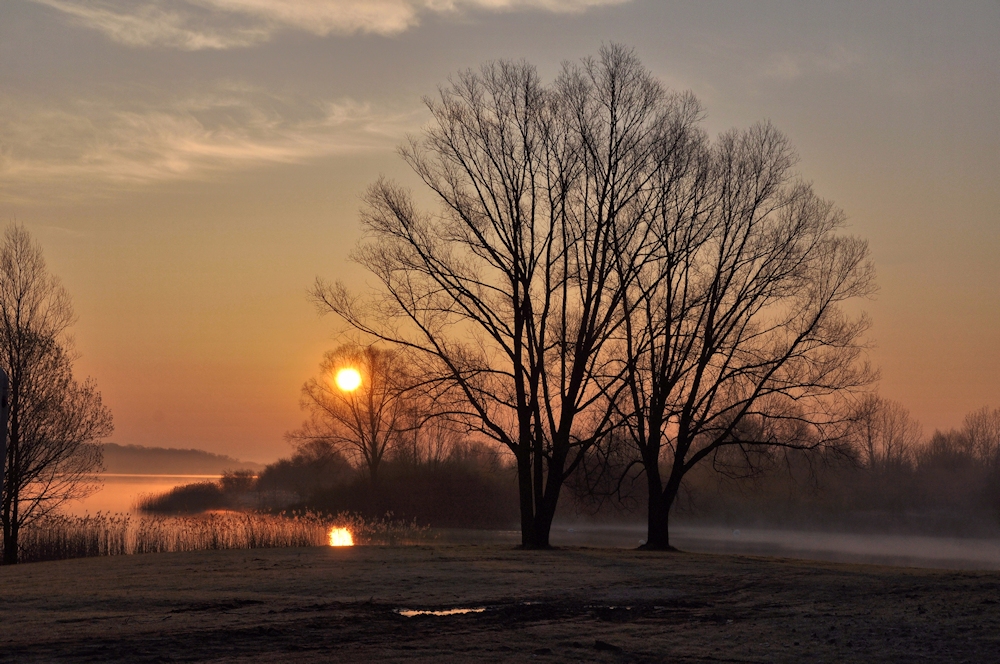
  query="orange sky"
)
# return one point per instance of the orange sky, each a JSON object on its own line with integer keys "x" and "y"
{"x": 190, "y": 168}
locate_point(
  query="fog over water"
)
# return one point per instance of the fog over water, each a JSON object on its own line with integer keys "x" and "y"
{"x": 121, "y": 490}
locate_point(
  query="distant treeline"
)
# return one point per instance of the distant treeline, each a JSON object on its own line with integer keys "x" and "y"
{"x": 886, "y": 476}
{"x": 943, "y": 491}
{"x": 467, "y": 486}
{"x": 141, "y": 460}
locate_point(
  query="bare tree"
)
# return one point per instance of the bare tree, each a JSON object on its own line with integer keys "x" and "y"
{"x": 982, "y": 429}
{"x": 949, "y": 450}
{"x": 366, "y": 422}
{"x": 55, "y": 422}
{"x": 735, "y": 334}
{"x": 431, "y": 435}
{"x": 511, "y": 291}
{"x": 884, "y": 433}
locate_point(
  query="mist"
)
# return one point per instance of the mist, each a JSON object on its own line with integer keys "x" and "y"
{"x": 919, "y": 501}
{"x": 927, "y": 551}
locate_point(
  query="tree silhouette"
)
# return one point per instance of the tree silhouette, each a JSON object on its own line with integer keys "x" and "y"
{"x": 509, "y": 292}
{"x": 367, "y": 422}
{"x": 55, "y": 422}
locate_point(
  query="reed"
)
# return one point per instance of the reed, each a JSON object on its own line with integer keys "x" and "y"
{"x": 106, "y": 534}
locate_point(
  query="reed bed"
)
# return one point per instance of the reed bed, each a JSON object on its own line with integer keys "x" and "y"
{"x": 104, "y": 534}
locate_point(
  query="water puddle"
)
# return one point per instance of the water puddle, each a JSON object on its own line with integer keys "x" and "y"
{"x": 409, "y": 613}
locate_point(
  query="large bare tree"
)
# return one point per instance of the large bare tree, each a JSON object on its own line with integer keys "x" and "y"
{"x": 511, "y": 290}
{"x": 55, "y": 422}
{"x": 737, "y": 340}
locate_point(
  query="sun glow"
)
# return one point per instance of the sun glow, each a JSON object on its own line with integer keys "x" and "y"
{"x": 341, "y": 537}
{"x": 348, "y": 379}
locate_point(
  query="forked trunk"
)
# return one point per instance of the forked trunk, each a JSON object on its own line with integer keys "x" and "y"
{"x": 536, "y": 517}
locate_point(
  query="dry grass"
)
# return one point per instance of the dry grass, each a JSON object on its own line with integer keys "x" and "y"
{"x": 103, "y": 534}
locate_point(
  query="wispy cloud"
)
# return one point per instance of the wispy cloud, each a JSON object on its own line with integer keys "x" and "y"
{"x": 87, "y": 147}
{"x": 221, "y": 24}
{"x": 790, "y": 66}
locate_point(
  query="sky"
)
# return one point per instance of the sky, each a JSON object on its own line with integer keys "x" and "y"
{"x": 191, "y": 166}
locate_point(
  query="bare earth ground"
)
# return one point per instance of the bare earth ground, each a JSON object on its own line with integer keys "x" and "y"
{"x": 573, "y": 604}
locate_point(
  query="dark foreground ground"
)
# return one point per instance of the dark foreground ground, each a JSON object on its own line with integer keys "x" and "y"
{"x": 324, "y": 604}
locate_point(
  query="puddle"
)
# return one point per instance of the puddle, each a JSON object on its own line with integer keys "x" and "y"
{"x": 409, "y": 613}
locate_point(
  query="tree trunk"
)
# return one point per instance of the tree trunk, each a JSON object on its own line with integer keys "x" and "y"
{"x": 658, "y": 527}
{"x": 544, "y": 514}
{"x": 536, "y": 516}
{"x": 526, "y": 495}
{"x": 9, "y": 544}
{"x": 9, "y": 517}
{"x": 12, "y": 487}
{"x": 658, "y": 522}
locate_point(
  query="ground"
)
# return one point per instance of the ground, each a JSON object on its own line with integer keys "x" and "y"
{"x": 572, "y": 604}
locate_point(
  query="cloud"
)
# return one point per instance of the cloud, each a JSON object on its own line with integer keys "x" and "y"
{"x": 170, "y": 24}
{"x": 787, "y": 66}
{"x": 87, "y": 147}
{"x": 220, "y": 24}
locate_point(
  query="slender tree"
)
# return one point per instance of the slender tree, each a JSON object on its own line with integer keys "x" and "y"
{"x": 736, "y": 339}
{"x": 884, "y": 434}
{"x": 55, "y": 422}
{"x": 366, "y": 422}
{"x": 982, "y": 429}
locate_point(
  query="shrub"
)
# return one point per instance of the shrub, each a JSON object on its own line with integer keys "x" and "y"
{"x": 186, "y": 499}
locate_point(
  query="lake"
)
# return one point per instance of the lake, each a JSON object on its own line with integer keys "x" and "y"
{"x": 121, "y": 491}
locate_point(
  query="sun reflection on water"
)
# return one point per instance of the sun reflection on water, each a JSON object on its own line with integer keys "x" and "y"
{"x": 409, "y": 613}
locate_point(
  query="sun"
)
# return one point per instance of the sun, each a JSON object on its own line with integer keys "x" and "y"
{"x": 348, "y": 379}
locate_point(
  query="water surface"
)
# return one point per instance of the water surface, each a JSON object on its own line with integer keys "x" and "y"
{"x": 121, "y": 491}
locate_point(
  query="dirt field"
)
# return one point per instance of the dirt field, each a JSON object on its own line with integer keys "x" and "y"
{"x": 324, "y": 604}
